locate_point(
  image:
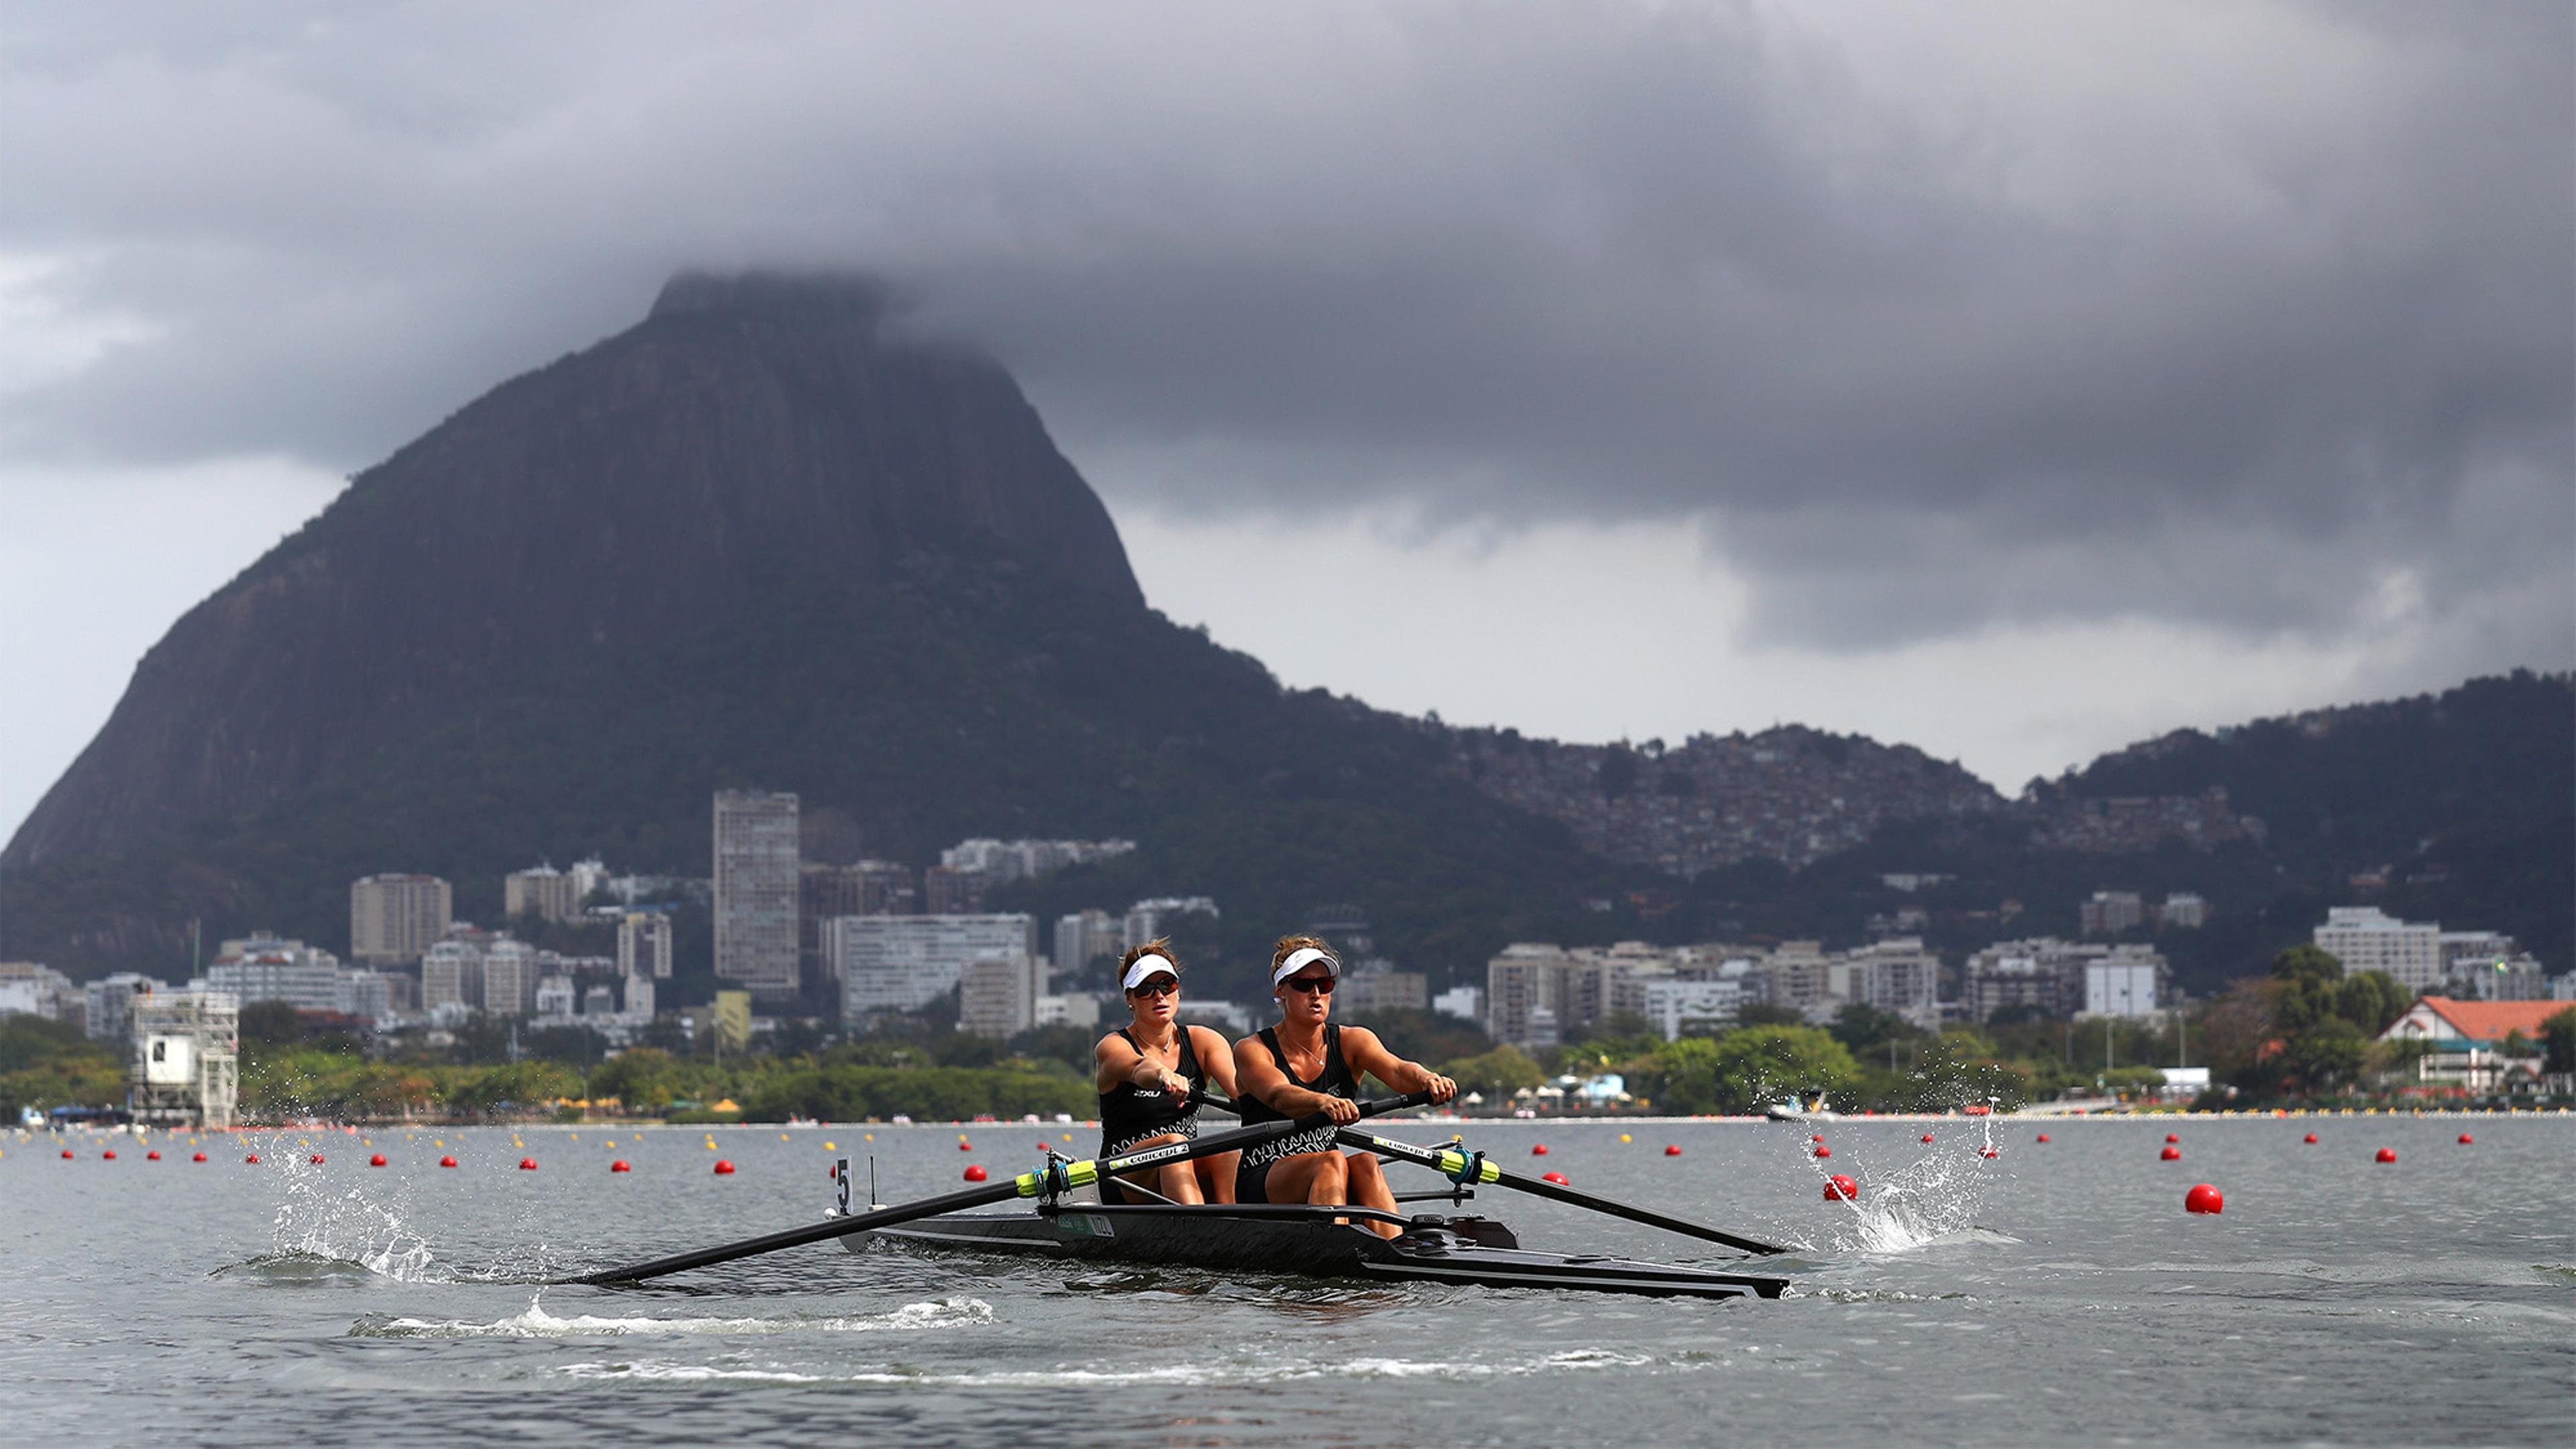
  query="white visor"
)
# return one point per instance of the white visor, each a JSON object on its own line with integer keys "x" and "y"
{"x": 1301, "y": 958}
{"x": 1149, "y": 965}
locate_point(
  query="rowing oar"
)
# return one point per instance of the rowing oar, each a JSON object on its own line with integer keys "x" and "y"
{"x": 1058, "y": 1177}
{"x": 1475, "y": 1167}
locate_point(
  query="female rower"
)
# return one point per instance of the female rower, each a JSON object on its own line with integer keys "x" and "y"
{"x": 1152, "y": 1074}
{"x": 1307, "y": 1064}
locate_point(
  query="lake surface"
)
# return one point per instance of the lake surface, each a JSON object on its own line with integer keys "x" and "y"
{"x": 2051, "y": 1293}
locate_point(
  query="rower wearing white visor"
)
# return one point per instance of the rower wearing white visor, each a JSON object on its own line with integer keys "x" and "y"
{"x": 1152, "y": 1075}
{"x": 1307, "y": 1064}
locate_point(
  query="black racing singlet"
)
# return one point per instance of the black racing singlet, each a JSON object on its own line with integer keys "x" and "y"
{"x": 1129, "y": 1113}
{"x": 1334, "y": 1080}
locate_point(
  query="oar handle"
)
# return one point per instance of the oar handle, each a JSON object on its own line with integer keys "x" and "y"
{"x": 1027, "y": 1184}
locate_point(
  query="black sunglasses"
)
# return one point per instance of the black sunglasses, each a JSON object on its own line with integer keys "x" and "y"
{"x": 1159, "y": 986}
{"x": 1323, "y": 984}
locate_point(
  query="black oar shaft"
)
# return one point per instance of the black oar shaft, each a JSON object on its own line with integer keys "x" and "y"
{"x": 1027, "y": 1184}
{"x": 1455, "y": 1164}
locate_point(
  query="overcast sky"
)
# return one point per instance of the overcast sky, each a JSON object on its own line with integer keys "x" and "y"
{"x": 2014, "y": 380}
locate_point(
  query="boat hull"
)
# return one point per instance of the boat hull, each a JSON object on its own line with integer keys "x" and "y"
{"x": 1293, "y": 1240}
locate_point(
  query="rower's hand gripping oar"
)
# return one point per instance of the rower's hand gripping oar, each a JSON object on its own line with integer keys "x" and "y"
{"x": 1474, "y": 1167}
{"x": 1058, "y": 1177}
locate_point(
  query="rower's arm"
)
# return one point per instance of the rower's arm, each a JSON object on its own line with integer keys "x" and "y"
{"x": 1262, "y": 1080}
{"x": 1114, "y": 1062}
{"x": 1365, "y": 1053}
{"x": 1216, "y": 1060}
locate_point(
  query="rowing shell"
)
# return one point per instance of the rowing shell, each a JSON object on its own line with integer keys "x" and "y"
{"x": 1299, "y": 1239}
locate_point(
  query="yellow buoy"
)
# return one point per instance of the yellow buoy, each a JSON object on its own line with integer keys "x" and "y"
{"x": 827, "y": 1146}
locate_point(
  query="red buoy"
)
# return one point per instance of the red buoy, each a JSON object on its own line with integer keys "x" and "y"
{"x": 2173, "y": 1137}
{"x": 2388, "y": 1154}
{"x": 447, "y": 1162}
{"x": 2312, "y": 1137}
{"x": 1927, "y": 1136}
{"x": 254, "y": 1157}
{"x": 376, "y": 1161}
{"x": 965, "y": 1146}
{"x": 1990, "y": 1151}
{"x": 1559, "y": 1178}
{"x": 619, "y": 1166}
{"x": 108, "y": 1156}
{"x": 2043, "y": 1137}
{"x": 723, "y": 1168}
{"x": 317, "y": 1158}
{"x": 2204, "y": 1199}
{"x": 1839, "y": 1188}
{"x": 67, "y": 1155}
{"x": 2171, "y": 1154}
{"x": 155, "y": 1154}
{"x": 200, "y": 1157}
{"x": 1816, "y": 1137}
{"x": 527, "y": 1164}
{"x": 974, "y": 1172}
{"x": 2465, "y": 1140}
{"x": 1673, "y": 1149}
{"x": 1823, "y": 1151}
{"x": 1538, "y": 1149}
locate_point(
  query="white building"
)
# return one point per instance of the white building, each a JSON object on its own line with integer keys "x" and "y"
{"x": 1692, "y": 1008}
{"x": 510, "y": 974}
{"x": 557, "y": 997}
{"x": 451, "y": 973}
{"x": 377, "y": 996}
{"x": 1899, "y": 976}
{"x": 644, "y": 945}
{"x": 270, "y": 968}
{"x": 1076, "y": 1009}
{"x": 2182, "y": 911}
{"x": 2125, "y": 983}
{"x": 2365, "y": 938}
{"x": 1085, "y": 936}
{"x": 903, "y": 963}
{"x": 1008, "y": 860}
{"x": 1464, "y": 1002}
{"x": 757, "y": 884}
{"x": 30, "y": 989}
{"x": 109, "y": 1004}
{"x": 1148, "y": 920}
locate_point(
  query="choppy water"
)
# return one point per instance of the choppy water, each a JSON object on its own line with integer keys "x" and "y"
{"x": 2052, "y": 1293}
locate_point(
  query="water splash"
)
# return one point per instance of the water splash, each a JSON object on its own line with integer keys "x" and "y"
{"x": 1931, "y": 1200}
{"x": 536, "y": 1322}
{"x": 316, "y": 1220}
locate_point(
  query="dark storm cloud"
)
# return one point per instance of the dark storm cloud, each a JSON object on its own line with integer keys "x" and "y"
{"x": 1930, "y": 319}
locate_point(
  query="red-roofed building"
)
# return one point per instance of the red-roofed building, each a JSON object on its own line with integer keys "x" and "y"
{"x": 2466, "y": 1039}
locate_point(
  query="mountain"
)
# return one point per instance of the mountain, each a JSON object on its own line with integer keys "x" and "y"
{"x": 773, "y": 537}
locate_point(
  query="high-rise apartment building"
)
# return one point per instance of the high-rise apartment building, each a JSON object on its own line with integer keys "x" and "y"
{"x": 997, "y": 996}
{"x": 394, "y": 919}
{"x": 1520, "y": 983}
{"x": 2111, "y": 912}
{"x": 1152, "y": 919}
{"x": 451, "y": 972}
{"x": 1086, "y": 936}
{"x": 756, "y": 891}
{"x": 2365, "y": 938}
{"x": 644, "y": 945}
{"x": 2042, "y": 976}
{"x": 903, "y": 963}
{"x": 511, "y": 971}
{"x": 544, "y": 892}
